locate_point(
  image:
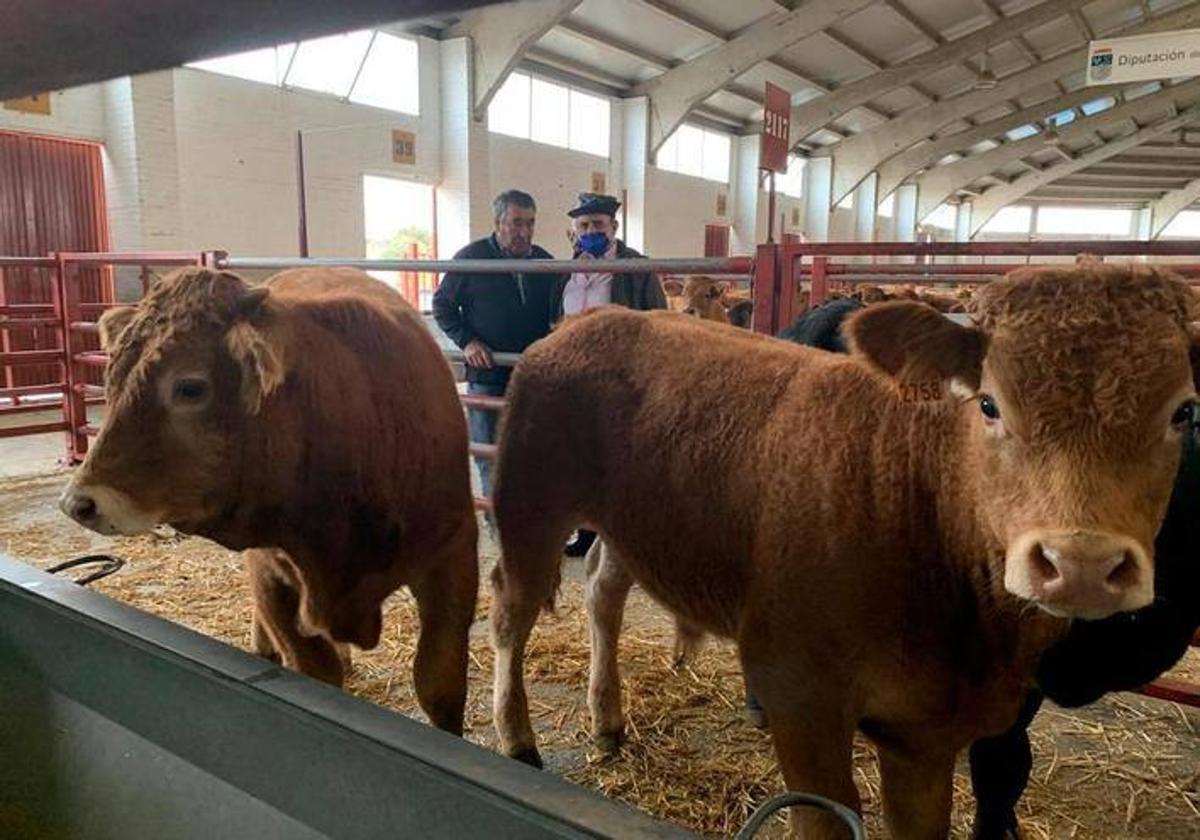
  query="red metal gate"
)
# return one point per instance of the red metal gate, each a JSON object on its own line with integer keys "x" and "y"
{"x": 51, "y": 199}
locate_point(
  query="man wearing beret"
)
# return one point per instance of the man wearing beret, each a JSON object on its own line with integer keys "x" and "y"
{"x": 593, "y": 232}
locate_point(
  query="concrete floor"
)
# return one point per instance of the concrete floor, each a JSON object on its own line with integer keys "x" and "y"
{"x": 33, "y": 455}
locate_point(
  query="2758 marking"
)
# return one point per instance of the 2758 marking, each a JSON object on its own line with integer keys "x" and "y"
{"x": 913, "y": 392}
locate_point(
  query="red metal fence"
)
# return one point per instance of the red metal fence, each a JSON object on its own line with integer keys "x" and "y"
{"x": 776, "y": 274}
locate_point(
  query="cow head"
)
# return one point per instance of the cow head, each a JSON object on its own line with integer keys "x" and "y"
{"x": 701, "y": 297}
{"x": 1075, "y": 388}
{"x": 189, "y": 367}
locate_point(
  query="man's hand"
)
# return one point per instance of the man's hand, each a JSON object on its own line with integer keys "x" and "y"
{"x": 478, "y": 355}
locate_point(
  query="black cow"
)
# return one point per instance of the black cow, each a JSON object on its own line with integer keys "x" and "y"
{"x": 822, "y": 327}
{"x": 1119, "y": 653}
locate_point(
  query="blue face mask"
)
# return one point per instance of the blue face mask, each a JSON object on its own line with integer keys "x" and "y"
{"x": 594, "y": 243}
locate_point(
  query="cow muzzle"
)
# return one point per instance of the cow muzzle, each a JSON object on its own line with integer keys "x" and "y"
{"x": 104, "y": 510}
{"x": 1079, "y": 574}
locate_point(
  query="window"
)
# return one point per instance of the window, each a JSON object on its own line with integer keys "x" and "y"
{"x": 370, "y": 68}
{"x": 943, "y": 217}
{"x": 535, "y": 109}
{"x": 887, "y": 207}
{"x": 509, "y": 111}
{"x": 792, "y": 182}
{"x": 1102, "y": 221}
{"x": 266, "y": 65}
{"x": 1062, "y": 118}
{"x": 1021, "y": 132}
{"x": 1184, "y": 226}
{"x": 695, "y": 151}
{"x": 589, "y": 123}
{"x": 847, "y": 202}
{"x": 329, "y": 65}
{"x": 1098, "y": 105}
{"x": 388, "y": 78}
{"x": 1010, "y": 220}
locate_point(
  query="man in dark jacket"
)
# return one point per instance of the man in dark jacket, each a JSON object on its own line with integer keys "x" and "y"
{"x": 594, "y": 234}
{"x": 487, "y": 313}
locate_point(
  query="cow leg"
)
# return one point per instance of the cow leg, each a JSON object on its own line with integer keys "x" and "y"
{"x": 446, "y": 603}
{"x": 688, "y": 640}
{"x": 260, "y": 639}
{"x": 277, "y": 610}
{"x": 814, "y": 744}
{"x": 608, "y": 585}
{"x": 917, "y": 789}
{"x": 811, "y": 725}
{"x": 523, "y": 581}
{"x": 1000, "y": 768}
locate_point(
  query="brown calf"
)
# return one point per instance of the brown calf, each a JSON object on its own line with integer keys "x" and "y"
{"x": 316, "y": 421}
{"x": 899, "y": 573}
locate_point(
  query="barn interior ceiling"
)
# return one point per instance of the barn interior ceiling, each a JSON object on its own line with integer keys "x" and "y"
{"x": 53, "y": 45}
{"x": 994, "y": 87}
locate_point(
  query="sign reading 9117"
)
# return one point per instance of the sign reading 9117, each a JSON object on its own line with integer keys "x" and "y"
{"x": 1143, "y": 58}
{"x": 777, "y": 119}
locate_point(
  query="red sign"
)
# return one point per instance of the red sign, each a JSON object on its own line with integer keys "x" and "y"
{"x": 777, "y": 123}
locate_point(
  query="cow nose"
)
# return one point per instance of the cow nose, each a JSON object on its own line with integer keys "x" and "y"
{"x": 1088, "y": 575}
{"x": 79, "y": 506}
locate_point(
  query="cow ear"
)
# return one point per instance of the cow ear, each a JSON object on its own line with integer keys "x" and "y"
{"x": 112, "y": 323}
{"x": 672, "y": 287}
{"x": 260, "y": 361}
{"x": 914, "y": 342}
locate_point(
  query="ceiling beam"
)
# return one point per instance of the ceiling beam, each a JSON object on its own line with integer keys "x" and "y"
{"x": 673, "y": 12}
{"x": 812, "y": 115}
{"x": 500, "y": 37}
{"x": 858, "y": 156}
{"x": 896, "y": 169}
{"x": 940, "y": 182}
{"x": 1170, "y": 205}
{"x": 675, "y": 93}
{"x": 990, "y": 203}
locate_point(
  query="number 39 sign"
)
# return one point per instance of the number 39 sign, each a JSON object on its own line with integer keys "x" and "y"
{"x": 777, "y": 119}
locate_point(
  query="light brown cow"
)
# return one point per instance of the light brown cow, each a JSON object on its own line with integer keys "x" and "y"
{"x": 316, "y": 421}
{"x": 699, "y": 296}
{"x": 898, "y": 573}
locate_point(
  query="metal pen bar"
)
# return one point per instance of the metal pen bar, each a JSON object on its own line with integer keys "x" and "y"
{"x": 498, "y": 359}
{"x": 1063, "y": 248}
{"x": 716, "y": 265}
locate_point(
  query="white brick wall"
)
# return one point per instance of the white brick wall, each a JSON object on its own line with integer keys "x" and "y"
{"x": 195, "y": 160}
{"x": 553, "y": 176}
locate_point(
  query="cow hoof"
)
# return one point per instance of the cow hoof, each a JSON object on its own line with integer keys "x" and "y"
{"x": 609, "y": 743}
{"x": 755, "y": 717}
{"x": 529, "y": 756}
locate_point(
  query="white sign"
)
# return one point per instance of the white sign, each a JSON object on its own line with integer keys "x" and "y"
{"x": 1140, "y": 58}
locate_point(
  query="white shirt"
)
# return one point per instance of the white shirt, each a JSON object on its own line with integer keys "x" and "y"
{"x": 587, "y": 290}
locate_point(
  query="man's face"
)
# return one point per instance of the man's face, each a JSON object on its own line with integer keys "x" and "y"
{"x": 514, "y": 229}
{"x": 595, "y": 223}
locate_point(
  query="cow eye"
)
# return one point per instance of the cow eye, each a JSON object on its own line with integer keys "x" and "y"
{"x": 189, "y": 391}
{"x": 1185, "y": 415}
{"x": 988, "y": 406}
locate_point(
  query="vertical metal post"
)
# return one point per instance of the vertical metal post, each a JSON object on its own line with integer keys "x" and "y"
{"x": 771, "y": 208}
{"x": 303, "y": 204}
{"x": 74, "y": 402}
{"x": 820, "y": 281}
{"x": 765, "y": 288}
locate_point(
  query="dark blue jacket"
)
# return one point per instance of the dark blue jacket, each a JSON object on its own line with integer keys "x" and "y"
{"x": 507, "y": 312}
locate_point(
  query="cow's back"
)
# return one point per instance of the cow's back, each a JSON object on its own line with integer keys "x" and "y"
{"x": 624, "y": 413}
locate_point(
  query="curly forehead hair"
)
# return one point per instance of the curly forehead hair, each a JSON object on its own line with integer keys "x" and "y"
{"x": 1090, "y": 294}
{"x": 180, "y": 302}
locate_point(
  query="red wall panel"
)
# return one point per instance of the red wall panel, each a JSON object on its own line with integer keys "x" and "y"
{"x": 51, "y": 199}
